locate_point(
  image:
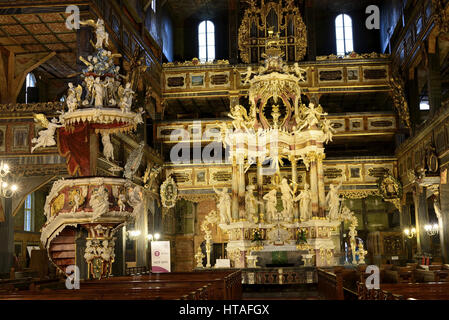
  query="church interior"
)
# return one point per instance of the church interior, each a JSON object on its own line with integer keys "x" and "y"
{"x": 224, "y": 150}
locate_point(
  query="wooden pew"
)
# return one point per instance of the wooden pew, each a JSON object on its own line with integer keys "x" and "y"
{"x": 337, "y": 284}
{"x": 397, "y": 291}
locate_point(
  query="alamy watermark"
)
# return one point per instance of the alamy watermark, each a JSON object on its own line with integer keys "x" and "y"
{"x": 73, "y": 278}
{"x": 73, "y": 21}
{"x": 372, "y": 281}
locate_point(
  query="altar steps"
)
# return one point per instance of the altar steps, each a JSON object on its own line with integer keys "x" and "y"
{"x": 62, "y": 249}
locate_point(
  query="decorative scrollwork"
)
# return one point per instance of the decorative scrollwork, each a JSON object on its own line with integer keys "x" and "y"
{"x": 284, "y": 17}
{"x": 169, "y": 193}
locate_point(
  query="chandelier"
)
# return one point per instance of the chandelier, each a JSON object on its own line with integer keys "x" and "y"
{"x": 431, "y": 230}
{"x": 7, "y": 189}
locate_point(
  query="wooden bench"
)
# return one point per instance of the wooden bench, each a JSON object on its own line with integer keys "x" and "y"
{"x": 170, "y": 286}
{"x": 338, "y": 284}
{"x": 399, "y": 291}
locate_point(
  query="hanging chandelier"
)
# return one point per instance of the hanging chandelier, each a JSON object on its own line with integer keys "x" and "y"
{"x": 7, "y": 189}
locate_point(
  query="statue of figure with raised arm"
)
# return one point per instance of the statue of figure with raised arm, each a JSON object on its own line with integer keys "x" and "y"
{"x": 328, "y": 130}
{"x": 312, "y": 116}
{"x": 249, "y": 73}
{"x": 224, "y": 205}
{"x": 46, "y": 137}
{"x": 333, "y": 201}
{"x": 271, "y": 199}
{"x": 102, "y": 35}
{"x": 299, "y": 72}
{"x": 251, "y": 204}
{"x": 239, "y": 116}
{"x": 126, "y": 96}
{"x": 287, "y": 199}
{"x": 304, "y": 198}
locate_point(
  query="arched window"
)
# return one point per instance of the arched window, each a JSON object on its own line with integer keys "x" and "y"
{"x": 153, "y": 5}
{"x": 343, "y": 30}
{"x": 30, "y": 83}
{"x": 206, "y": 41}
{"x": 28, "y": 213}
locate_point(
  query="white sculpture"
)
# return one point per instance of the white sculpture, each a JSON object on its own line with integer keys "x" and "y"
{"x": 251, "y": 204}
{"x": 108, "y": 148}
{"x": 121, "y": 201}
{"x": 239, "y": 116}
{"x": 126, "y": 96}
{"x": 271, "y": 199}
{"x": 102, "y": 35}
{"x": 74, "y": 97}
{"x": 333, "y": 201}
{"x": 224, "y": 205}
{"x": 89, "y": 81}
{"x": 287, "y": 199}
{"x": 304, "y": 199}
{"x": 99, "y": 202}
{"x": 312, "y": 116}
{"x": 299, "y": 71}
{"x": 99, "y": 93}
{"x": 328, "y": 130}
{"x": 46, "y": 137}
{"x": 91, "y": 250}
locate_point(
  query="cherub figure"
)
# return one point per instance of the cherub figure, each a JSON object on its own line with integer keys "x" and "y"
{"x": 299, "y": 72}
{"x": 313, "y": 115}
{"x": 46, "y": 137}
{"x": 224, "y": 205}
{"x": 249, "y": 73}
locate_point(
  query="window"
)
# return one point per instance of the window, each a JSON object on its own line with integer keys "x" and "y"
{"x": 153, "y": 5}
{"x": 424, "y": 104}
{"x": 206, "y": 41}
{"x": 28, "y": 213}
{"x": 30, "y": 83}
{"x": 343, "y": 30}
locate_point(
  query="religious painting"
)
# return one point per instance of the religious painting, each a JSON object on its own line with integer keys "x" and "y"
{"x": 3, "y": 138}
{"x": 21, "y": 138}
{"x": 353, "y": 74}
{"x": 355, "y": 173}
{"x": 201, "y": 177}
{"x": 197, "y": 81}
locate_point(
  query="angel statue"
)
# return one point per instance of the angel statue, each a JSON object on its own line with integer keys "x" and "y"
{"x": 333, "y": 201}
{"x": 108, "y": 148}
{"x": 239, "y": 116}
{"x": 46, "y": 137}
{"x": 126, "y": 96}
{"x": 271, "y": 199}
{"x": 299, "y": 72}
{"x": 102, "y": 35}
{"x": 74, "y": 97}
{"x": 251, "y": 204}
{"x": 304, "y": 199}
{"x": 313, "y": 115}
{"x": 224, "y": 205}
{"x": 287, "y": 198}
{"x": 249, "y": 73}
{"x": 89, "y": 84}
{"x": 328, "y": 130}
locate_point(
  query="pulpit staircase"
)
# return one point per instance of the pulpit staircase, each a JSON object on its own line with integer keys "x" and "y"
{"x": 62, "y": 249}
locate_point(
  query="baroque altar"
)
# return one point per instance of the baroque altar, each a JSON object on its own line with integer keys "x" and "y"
{"x": 277, "y": 128}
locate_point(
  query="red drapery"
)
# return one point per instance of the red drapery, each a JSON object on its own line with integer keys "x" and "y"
{"x": 74, "y": 145}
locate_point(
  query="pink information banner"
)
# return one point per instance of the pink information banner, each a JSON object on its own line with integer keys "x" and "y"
{"x": 160, "y": 256}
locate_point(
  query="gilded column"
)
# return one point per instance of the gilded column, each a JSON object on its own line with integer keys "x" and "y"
{"x": 314, "y": 183}
{"x": 260, "y": 190}
{"x": 321, "y": 192}
{"x": 242, "y": 189}
{"x": 235, "y": 190}
{"x": 295, "y": 188}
